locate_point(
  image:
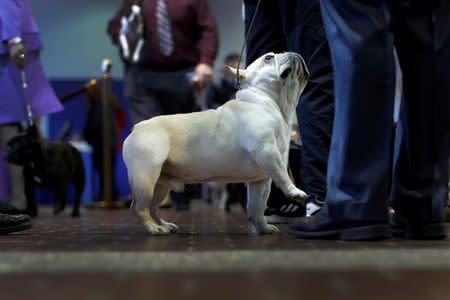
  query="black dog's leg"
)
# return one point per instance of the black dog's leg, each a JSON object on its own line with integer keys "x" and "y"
{"x": 79, "y": 181}
{"x": 79, "y": 187}
{"x": 76, "y": 204}
{"x": 60, "y": 198}
{"x": 30, "y": 186}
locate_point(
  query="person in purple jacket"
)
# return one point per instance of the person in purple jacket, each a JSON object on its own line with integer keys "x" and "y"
{"x": 20, "y": 46}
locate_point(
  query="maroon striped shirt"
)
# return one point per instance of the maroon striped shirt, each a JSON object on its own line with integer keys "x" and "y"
{"x": 193, "y": 29}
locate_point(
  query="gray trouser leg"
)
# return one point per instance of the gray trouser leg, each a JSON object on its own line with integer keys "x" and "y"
{"x": 17, "y": 196}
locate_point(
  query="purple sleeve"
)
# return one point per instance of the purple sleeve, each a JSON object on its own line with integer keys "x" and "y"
{"x": 10, "y": 19}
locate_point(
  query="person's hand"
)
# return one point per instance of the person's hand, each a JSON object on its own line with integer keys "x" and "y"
{"x": 202, "y": 78}
{"x": 18, "y": 54}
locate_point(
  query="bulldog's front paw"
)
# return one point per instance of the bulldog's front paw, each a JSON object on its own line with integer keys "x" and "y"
{"x": 170, "y": 226}
{"x": 266, "y": 228}
{"x": 155, "y": 229}
{"x": 297, "y": 194}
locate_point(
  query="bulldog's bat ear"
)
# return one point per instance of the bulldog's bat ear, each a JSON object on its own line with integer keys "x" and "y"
{"x": 234, "y": 72}
{"x": 305, "y": 69}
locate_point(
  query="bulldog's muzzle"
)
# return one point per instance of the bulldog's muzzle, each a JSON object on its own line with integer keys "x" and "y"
{"x": 293, "y": 63}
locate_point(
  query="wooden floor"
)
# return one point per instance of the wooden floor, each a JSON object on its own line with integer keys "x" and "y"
{"x": 108, "y": 255}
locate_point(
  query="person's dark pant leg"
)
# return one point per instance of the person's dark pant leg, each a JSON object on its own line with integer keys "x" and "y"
{"x": 265, "y": 34}
{"x": 422, "y": 39}
{"x": 305, "y": 34}
{"x": 298, "y": 26}
{"x": 152, "y": 93}
{"x": 142, "y": 104}
{"x": 362, "y": 52}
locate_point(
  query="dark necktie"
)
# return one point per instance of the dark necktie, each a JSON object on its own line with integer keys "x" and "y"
{"x": 163, "y": 23}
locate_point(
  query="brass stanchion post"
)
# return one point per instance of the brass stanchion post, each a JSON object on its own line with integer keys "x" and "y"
{"x": 107, "y": 201}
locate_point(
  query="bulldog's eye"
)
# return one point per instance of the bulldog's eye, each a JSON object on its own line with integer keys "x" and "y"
{"x": 268, "y": 58}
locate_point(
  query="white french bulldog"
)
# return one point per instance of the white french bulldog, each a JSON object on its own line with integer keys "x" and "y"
{"x": 244, "y": 140}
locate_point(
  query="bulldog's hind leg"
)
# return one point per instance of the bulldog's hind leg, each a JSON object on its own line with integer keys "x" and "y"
{"x": 257, "y": 195}
{"x": 159, "y": 194}
{"x": 143, "y": 187}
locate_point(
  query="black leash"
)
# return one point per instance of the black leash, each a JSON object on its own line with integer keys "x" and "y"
{"x": 238, "y": 81}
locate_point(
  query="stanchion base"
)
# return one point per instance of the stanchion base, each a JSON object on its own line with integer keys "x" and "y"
{"x": 447, "y": 214}
{"x": 108, "y": 205}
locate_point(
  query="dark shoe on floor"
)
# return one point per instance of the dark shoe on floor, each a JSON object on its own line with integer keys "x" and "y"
{"x": 13, "y": 223}
{"x": 284, "y": 211}
{"x": 402, "y": 227}
{"x": 320, "y": 226}
{"x": 6, "y": 208}
{"x": 397, "y": 226}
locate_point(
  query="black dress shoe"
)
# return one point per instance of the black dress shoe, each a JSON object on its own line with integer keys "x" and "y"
{"x": 13, "y": 223}
{"x": 397, "y": 226}
{"x": 6, "y": 208}
{"x": 416, "y": 230}
{"x": 320, "y": 226}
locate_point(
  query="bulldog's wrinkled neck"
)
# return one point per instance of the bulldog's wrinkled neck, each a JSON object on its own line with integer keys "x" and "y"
{"x": 249, "y": 94}
{"x": 255, "y": 95}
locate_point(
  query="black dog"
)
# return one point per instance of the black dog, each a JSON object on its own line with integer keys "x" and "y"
{"x": 52, "y": 164}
